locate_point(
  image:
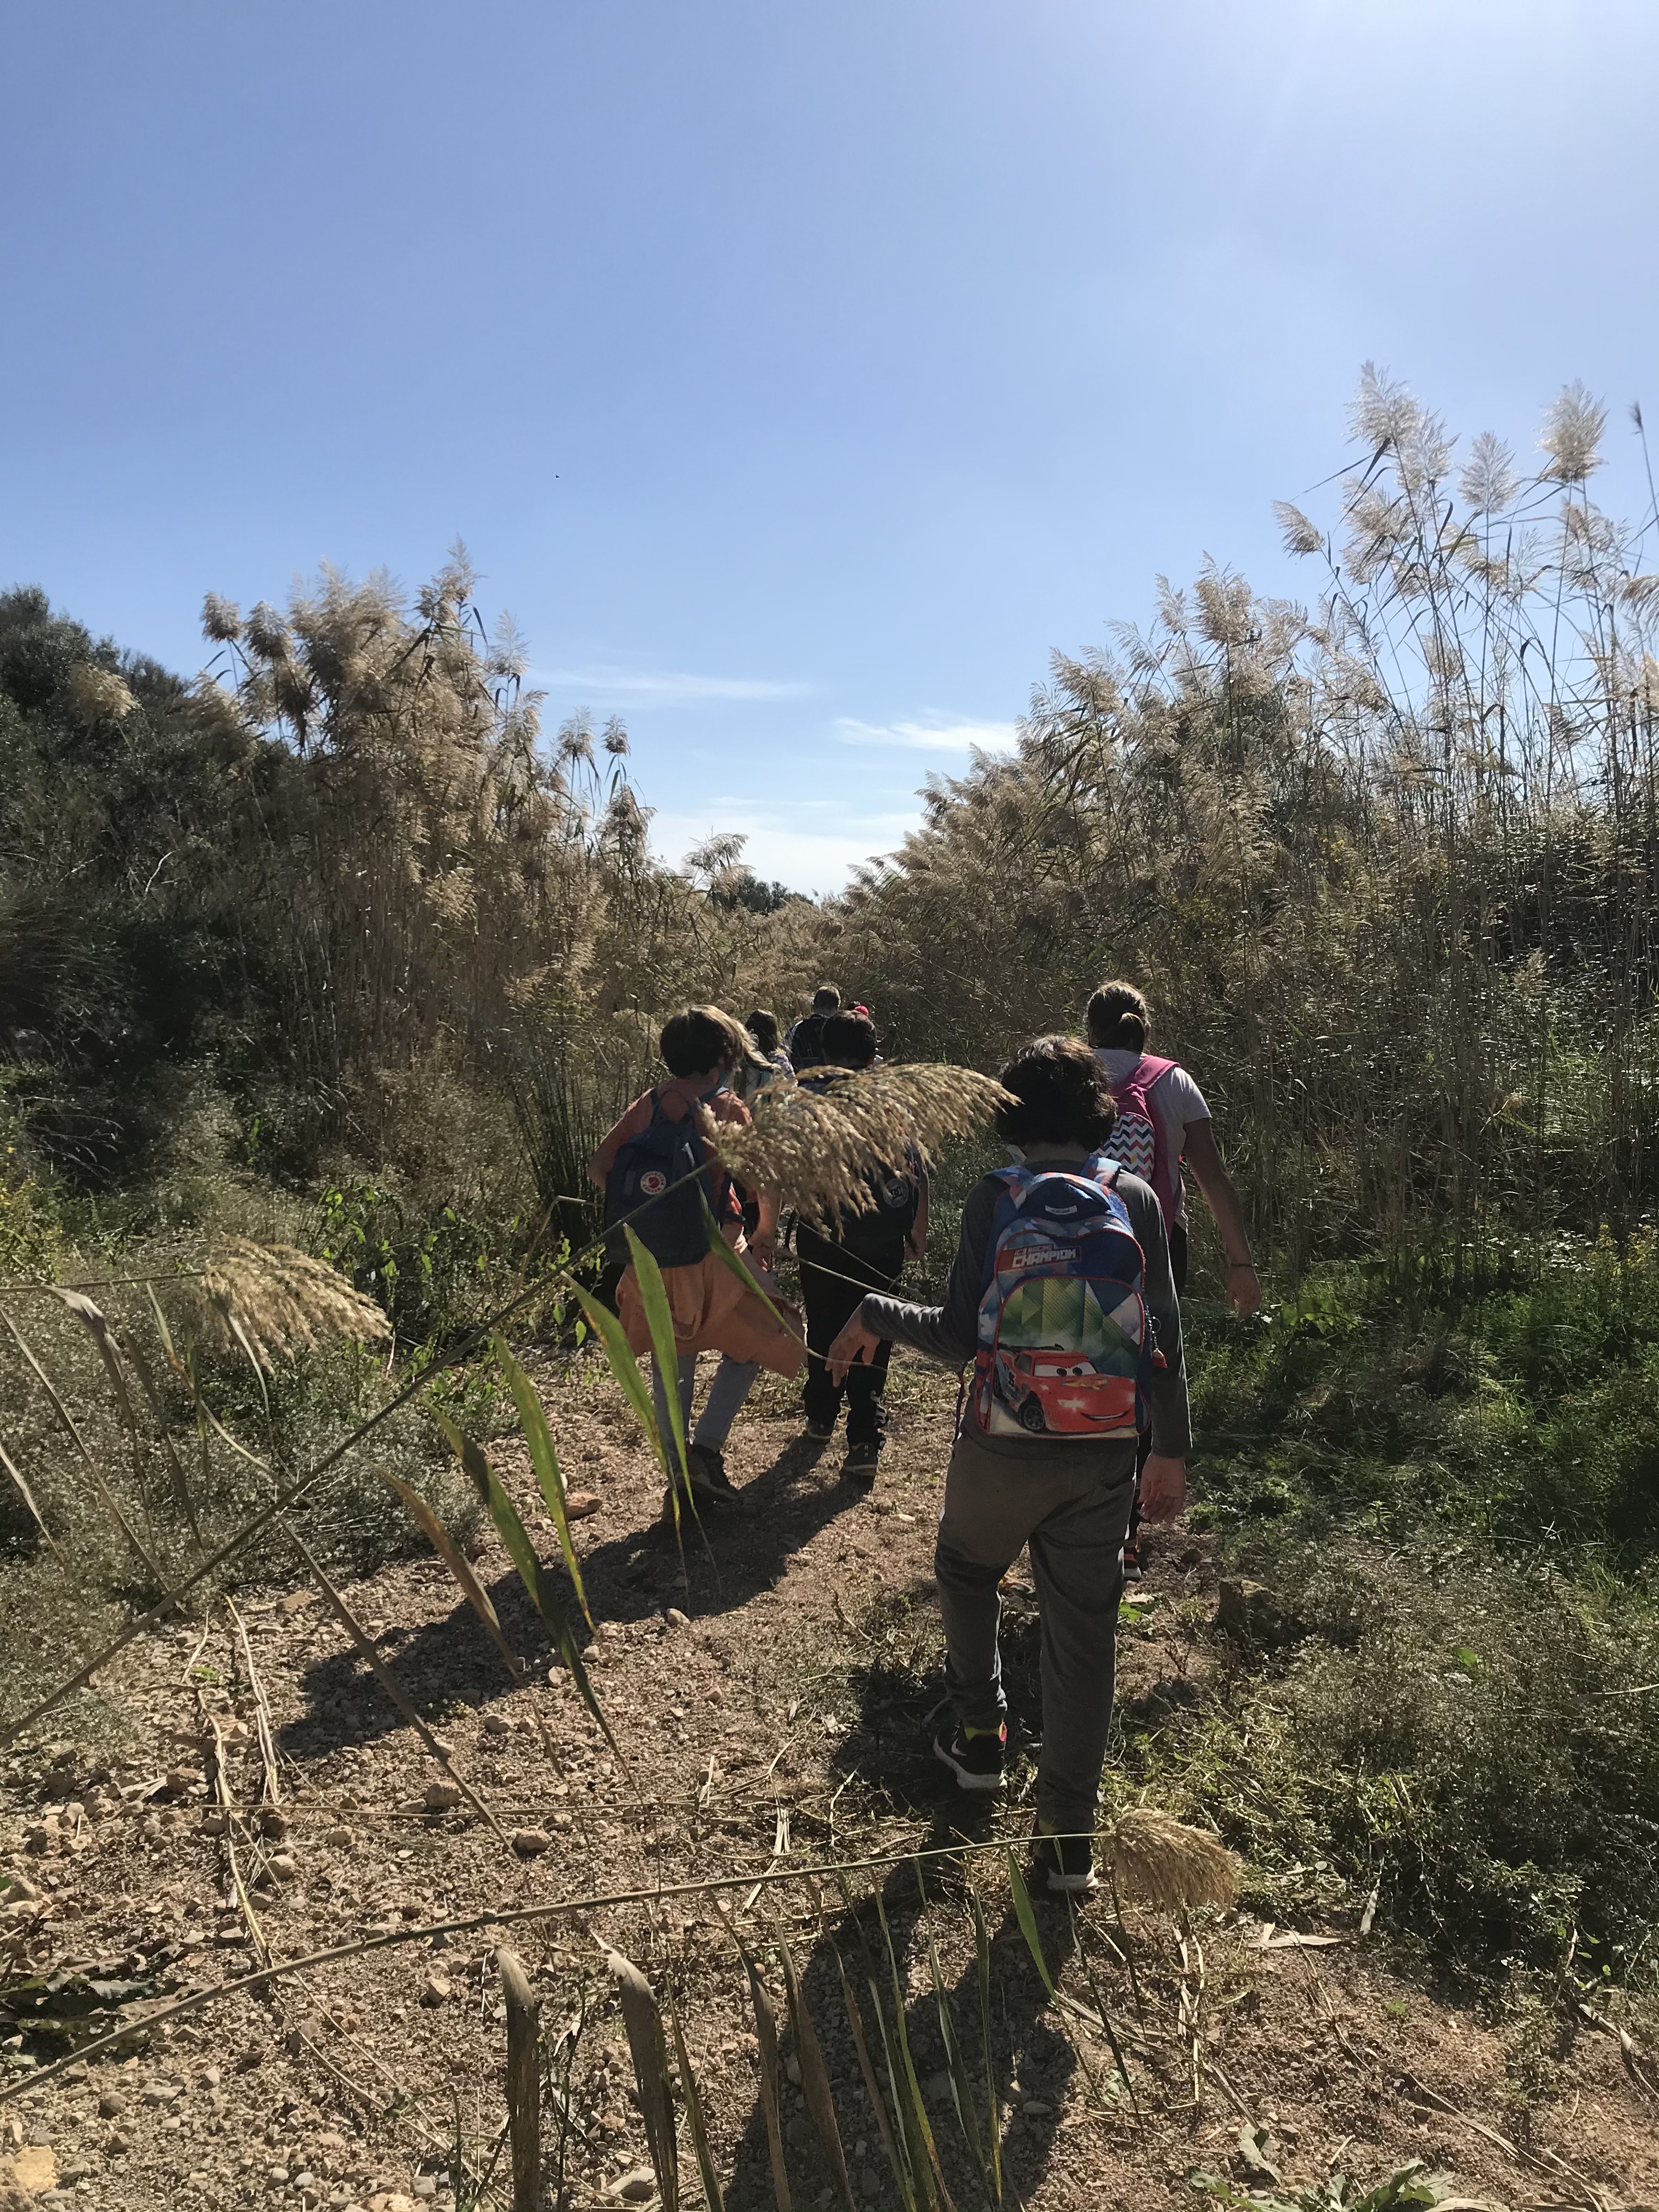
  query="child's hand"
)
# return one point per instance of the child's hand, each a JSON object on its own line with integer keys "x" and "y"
{"x": 1163, "y": 1487}
{"x": 763, "y": 1256}
{"x": 916, "y": 1244}
{"x": 1243, "y": 1287}
{"x": 854, "y": 1345}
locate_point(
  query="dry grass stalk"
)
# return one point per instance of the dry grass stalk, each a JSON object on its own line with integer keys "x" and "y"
{"x": 27, "y": 1495}
{"x": 524, "y": 2085}
{"x": 226, "y": 1804}
{"x": 656, "y": 1895}
{"x": 274, "y": 1301}
{"x": 1169, "y": 1865}
{"x": 816, "y": 1148}
{"x": 112, "y": 1503}
{"x": 270, "y": 1783}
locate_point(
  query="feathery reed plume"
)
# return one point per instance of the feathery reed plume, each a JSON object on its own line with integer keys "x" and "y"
{"x": 266, "y": 632}
{"x": 816, "y": 1149}
{"x": 1170, "y": 1865}
{"x": 282, "y": 1301}
{"x": 1383, "y": 413}
{"x": 100, "y": 693}
{"x": 221, "y": 619}
{"x": 1572, "y": 434}
{"x": 1488, "y": 481}
{"x": 1300, "y": 533}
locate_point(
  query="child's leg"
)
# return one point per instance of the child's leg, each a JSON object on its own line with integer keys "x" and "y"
{"x": 984, "y": 1524}
{"x": 830, "y": 1304}
{"x": 971, "y": 1610}
{"x": 1178, "y": 1248}
{"x": 733, "y": 1381}
{"x": 1075, "y": 1562}
{"x": 865, "y": 1417}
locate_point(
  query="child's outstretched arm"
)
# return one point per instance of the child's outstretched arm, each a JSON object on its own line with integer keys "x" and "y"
{"x": 947, "y": 1333}
{"x": 1243, "y": 1287}
{"x": 599, "y": 1167}
{"x": 764, "y": 1242}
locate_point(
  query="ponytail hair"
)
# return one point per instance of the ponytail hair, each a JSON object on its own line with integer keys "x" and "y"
{"x": 1119, "y": 1017}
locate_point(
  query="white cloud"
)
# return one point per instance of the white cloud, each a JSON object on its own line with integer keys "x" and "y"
{"x": 812, "y": 846}
{"x": 932, "y": 734}
{"x": 664, "y": 687}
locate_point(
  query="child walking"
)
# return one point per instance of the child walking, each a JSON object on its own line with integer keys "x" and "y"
{"x": 769, "y": 1060}
{"x": 655, "y": 1157}
{"x": 839, "y": 1262}
{"x": 1162, "y": 1120}
{"x": 1061, "y": 1296}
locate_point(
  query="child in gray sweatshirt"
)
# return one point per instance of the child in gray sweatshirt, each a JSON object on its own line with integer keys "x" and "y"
{"x": 1068, "y": 1497}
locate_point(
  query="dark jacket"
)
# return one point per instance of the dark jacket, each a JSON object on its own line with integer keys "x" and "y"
{"x": 803, "y": 1044}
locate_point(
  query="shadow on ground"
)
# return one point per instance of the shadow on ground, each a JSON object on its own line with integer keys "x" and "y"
{"x": 1030, "y": 2066}
{"x": 715, "y": 1567}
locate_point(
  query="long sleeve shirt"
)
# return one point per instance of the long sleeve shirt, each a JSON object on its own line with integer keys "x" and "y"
{"x": 949, "y": 1332}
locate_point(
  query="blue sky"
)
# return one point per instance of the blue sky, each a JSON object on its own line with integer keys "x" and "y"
{"x": 797, "y": 376}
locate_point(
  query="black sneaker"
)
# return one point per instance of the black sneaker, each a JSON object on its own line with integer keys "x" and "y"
{"x": 975, "y": 1759}
{"x": 819, "y": 1432}
{"x": 1132, "y": 1568}
{"x": 710, "y": 1483}
{"x": 1063, "y": 1864}
{"x": 861, "y": 1464}
{"x": 710, "y": 1486}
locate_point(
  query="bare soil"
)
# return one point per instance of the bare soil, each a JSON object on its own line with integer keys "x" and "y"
{"x": 771, "y": 1701}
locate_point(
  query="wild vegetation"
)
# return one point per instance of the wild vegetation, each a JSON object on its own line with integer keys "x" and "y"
{"x": 321, "y": 973}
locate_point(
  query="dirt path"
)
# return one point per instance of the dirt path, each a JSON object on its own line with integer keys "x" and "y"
{"x": 771, "y": 1707}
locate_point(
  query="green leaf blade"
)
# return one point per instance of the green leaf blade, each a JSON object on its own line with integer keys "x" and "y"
{"x": 533, "y": 1419}
{"x": 620, "y": 1358}
{"x": 1027, "y": 1919}
{"x": 516, "y": 1539}
{"x": 653, "y": 1297}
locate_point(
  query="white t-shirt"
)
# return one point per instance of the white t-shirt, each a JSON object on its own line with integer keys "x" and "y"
{"x": 1176, "y": 1099}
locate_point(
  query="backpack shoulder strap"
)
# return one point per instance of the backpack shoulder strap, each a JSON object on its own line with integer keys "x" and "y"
{"x": 1015, "y": 1181}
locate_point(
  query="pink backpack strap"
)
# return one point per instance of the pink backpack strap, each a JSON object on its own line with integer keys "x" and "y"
{"x": 1150, "y": 1069}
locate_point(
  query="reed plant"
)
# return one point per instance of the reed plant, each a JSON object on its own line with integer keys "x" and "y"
{"x": 1386, "y": 860}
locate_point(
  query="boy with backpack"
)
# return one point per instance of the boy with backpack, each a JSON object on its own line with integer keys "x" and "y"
{"x": 859, "y": 1251}
{"x": 655, "y": 1157}
{"x": 1060, "y": 1297}
{"x": 1162, "y": 1120}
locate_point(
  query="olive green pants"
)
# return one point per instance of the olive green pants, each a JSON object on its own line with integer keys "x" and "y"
{"x": 1074, "y": 1515}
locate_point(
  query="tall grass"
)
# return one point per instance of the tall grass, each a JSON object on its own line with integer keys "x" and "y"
{"x": 1386, "y": 861}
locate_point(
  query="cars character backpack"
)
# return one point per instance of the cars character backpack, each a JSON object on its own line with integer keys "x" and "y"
{"x": 657, "y": 1170}
{"x": 1065, "y": 1344}
{"x": 1138, "y": 1139}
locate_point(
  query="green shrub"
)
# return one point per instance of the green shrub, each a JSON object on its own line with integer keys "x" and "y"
{"x": 1476, "y": 1741}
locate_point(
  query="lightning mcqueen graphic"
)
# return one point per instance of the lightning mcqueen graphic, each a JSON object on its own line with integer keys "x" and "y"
{"x": 1051, "y": 1388}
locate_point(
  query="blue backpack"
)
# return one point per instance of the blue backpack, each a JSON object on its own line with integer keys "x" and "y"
{"x": 1065, "y": 1347}
{"x": 662, "y": 1163}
